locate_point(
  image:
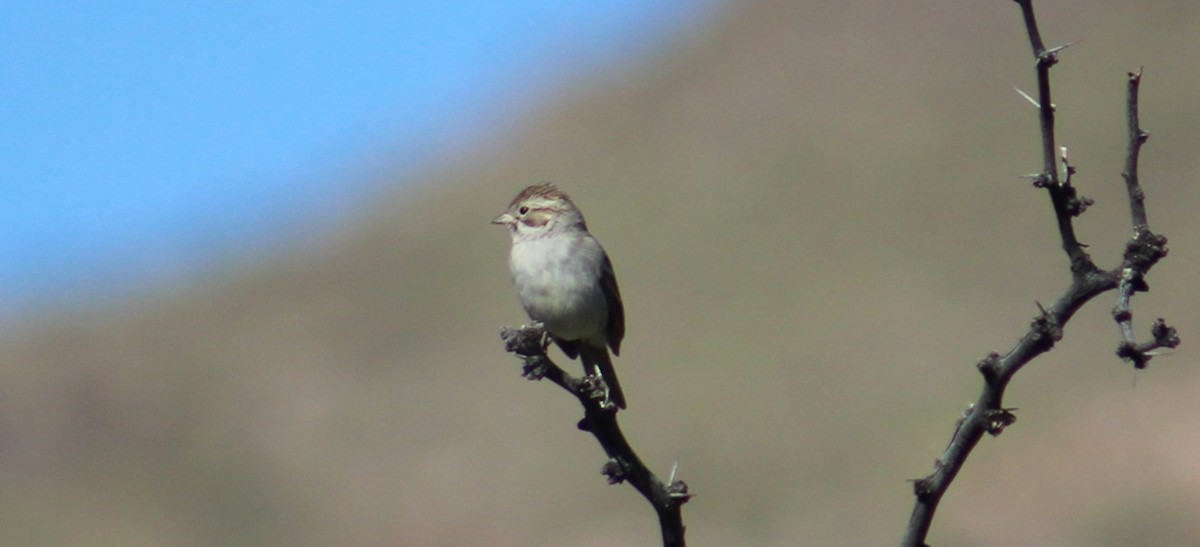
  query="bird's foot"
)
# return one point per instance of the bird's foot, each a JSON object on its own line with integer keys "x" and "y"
{"x": 597, "y": 390}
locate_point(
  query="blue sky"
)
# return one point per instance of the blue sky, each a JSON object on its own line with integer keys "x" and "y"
{"x": 142, "y": 138}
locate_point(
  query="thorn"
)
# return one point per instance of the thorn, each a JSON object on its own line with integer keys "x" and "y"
{"x": 677, "y": 489}
{"x": 1040, "y": 180}
{"x": 1067, "y": 168}
{"x": 1031, "y": 100}
{"x": 541, "y": 329}
{"x": 1055, "y": 50}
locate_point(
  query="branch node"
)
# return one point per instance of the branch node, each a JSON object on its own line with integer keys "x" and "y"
{"x": 923, "y": 488}
{"x": 1045, "y": 328}
{"x": 594, "y": 387}
{"x": 1139, "y": 354}
{"x": 614, "y": 471}
{"x": 1128, "y": 351}
{"x": 1076, "y": 204}
{"x": 534, "y": 367}
{"x": 526, "y": 340}
{"x": 529, "y": 343}
{"x": 1144, "y": 250}
{"x": 1082, "y": 266}
{"x": 1164, "y": 335}
{"x": 678, "y": 490}
{"x": 990, "y": 367}
{"x": 999, "y": 419}
{"x": 1049, "y": 58}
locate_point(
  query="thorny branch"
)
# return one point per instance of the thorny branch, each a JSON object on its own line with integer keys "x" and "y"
{"x": 987, "y": 414}
{"x": 600, "y": 420}
{"x": 1143, "y": 250}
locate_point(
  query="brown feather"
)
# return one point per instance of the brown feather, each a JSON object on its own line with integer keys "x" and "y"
{"x": 614, "y": 330}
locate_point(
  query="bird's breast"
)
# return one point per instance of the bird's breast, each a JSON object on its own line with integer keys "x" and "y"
{"x": 557, "y": 280}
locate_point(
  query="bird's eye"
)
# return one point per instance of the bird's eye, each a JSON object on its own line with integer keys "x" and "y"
{"x": 523, "y": 210}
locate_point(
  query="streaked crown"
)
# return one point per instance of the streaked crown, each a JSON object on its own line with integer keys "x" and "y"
{"x": 541, "y": 207}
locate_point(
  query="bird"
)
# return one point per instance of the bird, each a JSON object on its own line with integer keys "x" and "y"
{"x": 564, "y": 280}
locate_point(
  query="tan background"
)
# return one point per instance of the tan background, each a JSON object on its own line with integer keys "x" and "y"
{"x": 816, "y": 218}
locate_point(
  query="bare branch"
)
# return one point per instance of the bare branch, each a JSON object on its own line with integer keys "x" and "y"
{"x": 1137, "y": 138}
{"x": 1142, "y": 252}
{"x": 600, "y": 419}
{"x": 987, "y": 414}
{"x": 1062, "y": 194}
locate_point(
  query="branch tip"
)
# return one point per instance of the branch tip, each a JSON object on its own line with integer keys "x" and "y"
{"x": 1164, "y": 335}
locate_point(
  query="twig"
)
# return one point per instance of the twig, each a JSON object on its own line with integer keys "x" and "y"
{"x": 987, "y": 414}
{"x": 600, "y": 420}
{"x": 1142, "y": 252}
{"x": 1137, "y": 138}
{"x": 1066, "y": 204}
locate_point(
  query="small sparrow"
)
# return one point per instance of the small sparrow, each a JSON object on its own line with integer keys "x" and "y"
{"x": 565, "y": 280}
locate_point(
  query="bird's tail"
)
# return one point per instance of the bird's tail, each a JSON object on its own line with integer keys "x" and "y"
{"x": 597, "y": 358}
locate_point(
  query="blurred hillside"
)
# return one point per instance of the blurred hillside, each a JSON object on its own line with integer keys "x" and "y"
{"x": 816, "y": 216}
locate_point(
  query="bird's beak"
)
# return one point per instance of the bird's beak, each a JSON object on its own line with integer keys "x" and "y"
{"x": 504, "y": 220}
